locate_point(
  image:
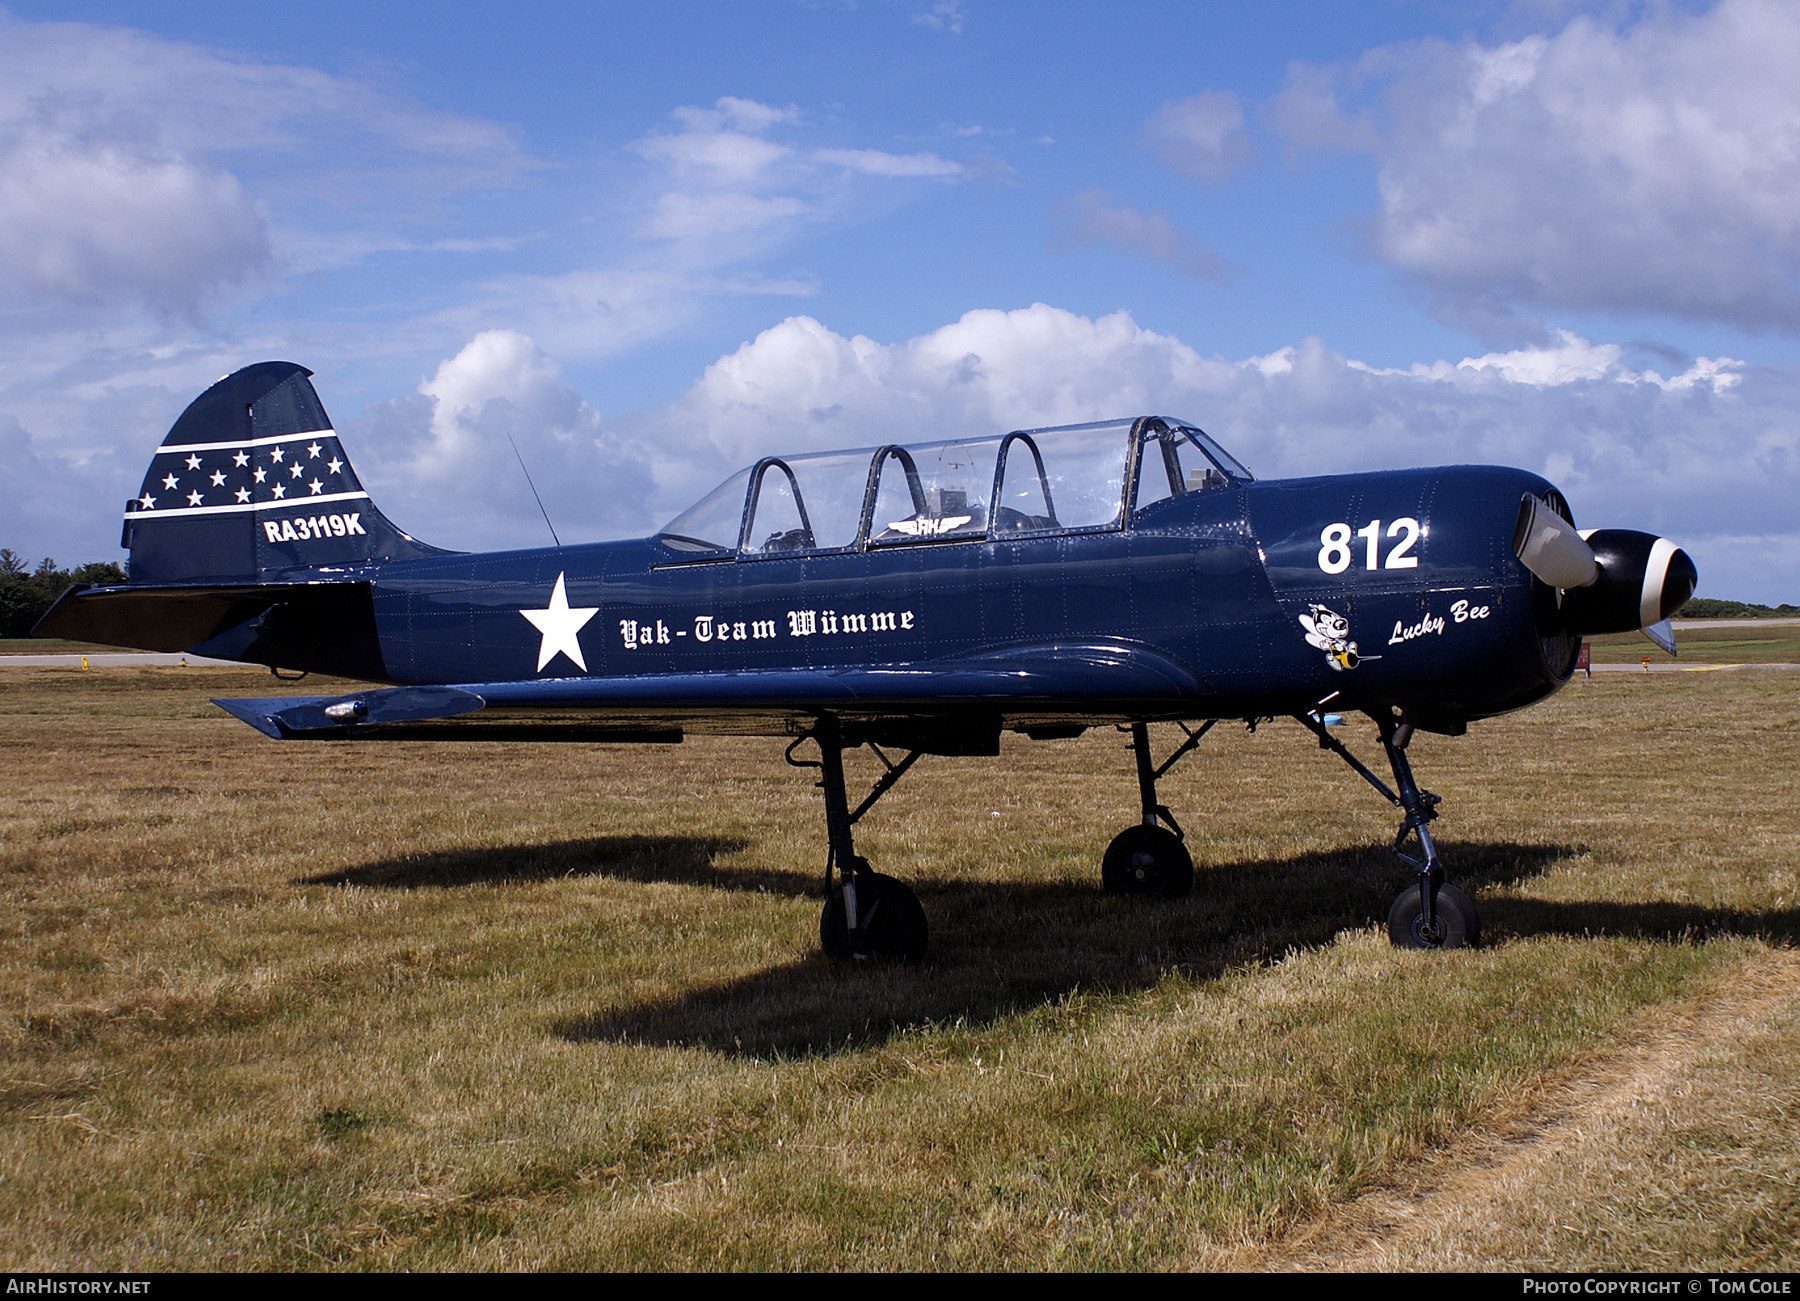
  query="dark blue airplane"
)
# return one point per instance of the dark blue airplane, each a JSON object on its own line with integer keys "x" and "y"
{"x": 919, "y": 597}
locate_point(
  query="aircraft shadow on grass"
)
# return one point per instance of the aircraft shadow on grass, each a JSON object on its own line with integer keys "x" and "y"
{"x": 679, "y": 860}
{"x": 1001, "y": 948}
{"x": 1676, "y": 923}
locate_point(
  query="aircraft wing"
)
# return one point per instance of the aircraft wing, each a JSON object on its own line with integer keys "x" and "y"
{"x": 1090, "y": 680}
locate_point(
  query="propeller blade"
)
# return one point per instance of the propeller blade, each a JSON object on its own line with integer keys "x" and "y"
{"x": 1548, "y": 545}
{"x": 1662, "y": 633}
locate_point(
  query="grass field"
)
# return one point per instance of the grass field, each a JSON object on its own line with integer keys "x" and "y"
{"x": 50, "y": 646}
{"x": 444, "y": 1006}
{"x": 1755, "y": 642}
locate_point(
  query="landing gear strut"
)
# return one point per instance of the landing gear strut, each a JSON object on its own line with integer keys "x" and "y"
{"x": 1149, "y": 859}
{"x": 867, "y": 916}
{"x": 1431, "y": 913}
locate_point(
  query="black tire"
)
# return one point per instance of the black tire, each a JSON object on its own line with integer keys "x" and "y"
{"x": 1150, "y": 862}
{"x": 894, "y": 926}
{"x": 1459, "y": 925}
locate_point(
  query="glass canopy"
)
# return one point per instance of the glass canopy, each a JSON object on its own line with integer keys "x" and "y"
{"x": 1064, "y": 479}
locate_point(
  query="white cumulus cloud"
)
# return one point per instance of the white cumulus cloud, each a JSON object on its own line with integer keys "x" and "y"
{"x": 140, "y": 171}
{"x": 96, "y": 212}
{"x": 944, "y": 16}
{"x": 1644, "y": 165}
{"x": 874, "y": 162}
{"x": 690, "y": 216}
{"x": 445, "y": 463}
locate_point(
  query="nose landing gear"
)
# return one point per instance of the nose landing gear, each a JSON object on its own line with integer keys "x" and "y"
{"x": 1430, "y": 914}
{"x": 1457, "y": 924}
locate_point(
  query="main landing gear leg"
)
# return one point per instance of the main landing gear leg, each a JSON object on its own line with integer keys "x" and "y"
{"x": 867, "y": 916}
{"x": 1430, "y": 914}
{"x": 1150, "y": 858}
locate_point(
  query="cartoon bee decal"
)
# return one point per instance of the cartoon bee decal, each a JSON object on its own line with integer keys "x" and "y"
{"x": 1330, "y": 632}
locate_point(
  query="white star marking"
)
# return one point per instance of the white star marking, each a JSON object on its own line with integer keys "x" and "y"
{"x": 261, "y": 474}
{"x": 313, "y": 451}
{"x": 193, "y": 499}
{"x": 316, "y": 487}
{"x": 241, "y": 459}
{"x": 335, "y": 465}
{"x": 559, "y": 624}
{"x": 148, "y": 502}
{"x": 280, "y": 491}
{"x": 296, "y": 469}
{"x": 218, "y": 477}
{"x": 169, "y": 481}
{"x": 275, "y": 455}
{"x": 193, "y": 462}
{"x": 243, "y": 494}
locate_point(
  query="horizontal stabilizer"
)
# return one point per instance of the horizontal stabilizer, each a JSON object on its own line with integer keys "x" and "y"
{"x": 285, "y": 716}
{"x": 155, "y": 619}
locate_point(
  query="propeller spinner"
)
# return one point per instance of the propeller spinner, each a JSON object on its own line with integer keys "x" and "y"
{"x": 1610, "y": 580}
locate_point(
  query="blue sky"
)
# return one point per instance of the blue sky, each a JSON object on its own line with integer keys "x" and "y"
{"x": 650, "y": 242}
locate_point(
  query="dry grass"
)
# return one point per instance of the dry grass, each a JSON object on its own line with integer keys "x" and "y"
{"x": 50, "y": 646}
{"x": 1668, "y": 1152}
{"x": 280, "y": 1005}
{"x": 1752, "y": 643}
{"x": 1695, "y": 1169}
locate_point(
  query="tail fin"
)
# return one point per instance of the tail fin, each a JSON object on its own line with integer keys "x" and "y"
{"x": 251, "y": 485}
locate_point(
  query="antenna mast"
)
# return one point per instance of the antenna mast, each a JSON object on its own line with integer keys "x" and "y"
{"x": 534, "y": 493}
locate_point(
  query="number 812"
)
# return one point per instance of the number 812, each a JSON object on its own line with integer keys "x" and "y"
{"x": 1335, "y": 553}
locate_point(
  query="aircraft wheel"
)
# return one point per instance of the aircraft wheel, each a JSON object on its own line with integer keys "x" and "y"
{"x": 1459, "y": 925}
{"x": 1147, "y": 861}
{"x": 894, "y": 927}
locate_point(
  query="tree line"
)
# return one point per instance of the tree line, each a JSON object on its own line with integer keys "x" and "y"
{"x": 26, "y": 593}
{"x": 1705, "y": 608}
